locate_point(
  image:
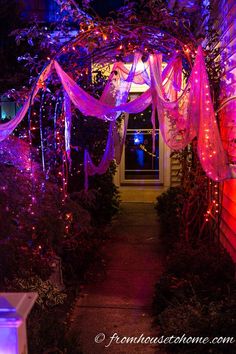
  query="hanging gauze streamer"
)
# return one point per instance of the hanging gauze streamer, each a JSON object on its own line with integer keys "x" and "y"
{"x": 90, "y": 168}
{"x": 156, "y": 84}
{"x": 188, "y": 116}
{"x": 67, "y": 112}
{"x": 140, "y": 76}
{"x": 191, "y": 115}
{"x": 101, "y": 109}
{"x": 176, "y": 125}
{"x": 7, "y": 128}
{"x": 91, "y": 106}
{"x": 106, "y": 158}
{"x": 172, "y": 77}
{"x": 210, "y": 149}
{"x": 179, "y": 120}
{"x": 115, "y": 93}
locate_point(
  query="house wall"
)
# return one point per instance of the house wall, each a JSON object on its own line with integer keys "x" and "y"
{"x": 226, "y": 25}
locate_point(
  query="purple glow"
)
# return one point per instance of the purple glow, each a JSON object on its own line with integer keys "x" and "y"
{"x": 9, "y": 322}
{"x": 8, "y": 341}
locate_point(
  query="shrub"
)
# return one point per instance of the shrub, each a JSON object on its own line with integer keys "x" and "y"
{"x": 205, "y": 270}
{"x": 205, "y": 259}
{"x": 170, "y": 290}
{"x": 48, "y": 332}
{"x": 102, "y": 200}
{"x": 195, "y": 319}
{"x": 33, "y": 234}
{"x": 48, "y": 294}
{"x": 169, "y": 206}
{"x": 196, "y": 296}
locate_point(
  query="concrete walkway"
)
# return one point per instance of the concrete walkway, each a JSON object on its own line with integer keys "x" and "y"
{"x": 121, "y": 303}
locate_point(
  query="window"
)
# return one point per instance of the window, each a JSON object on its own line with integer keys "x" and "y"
{"x": 139, "y": 164}
{"x": 8, "y": 110}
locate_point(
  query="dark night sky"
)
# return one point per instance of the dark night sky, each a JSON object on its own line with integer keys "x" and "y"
{"x": 103, "y": 7}
{"x": 19, "y": 12}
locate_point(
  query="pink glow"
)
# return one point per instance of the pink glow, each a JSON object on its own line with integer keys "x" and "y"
{"x": 181, "y": 117}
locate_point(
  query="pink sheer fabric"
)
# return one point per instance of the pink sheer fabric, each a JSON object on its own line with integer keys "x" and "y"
{"x": 116, "y": 91}
{"x": 210, "y": 149}
{"x": 176, "y": 124}
{"x": 7, "y": 128}
{"x": 172, "y": 78}
{"x": 90, "y": 169}
{"x": 141, "y": 75}
{"x": 107, "y": 107}
{"x": 191, "y": 115}
{"x": 108, "y": 156}
{"x": 90, "y": 106}
{"x": 183, "y": 114}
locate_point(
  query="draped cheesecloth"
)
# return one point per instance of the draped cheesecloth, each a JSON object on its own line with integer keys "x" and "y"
{"x": 115, "y": 93}
{"x": 183, "y": 114}
{"x": 7, "y": 128}
{"x": 210, "y": 149}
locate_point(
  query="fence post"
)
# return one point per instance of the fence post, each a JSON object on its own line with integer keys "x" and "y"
{"x": 14, "y": 309}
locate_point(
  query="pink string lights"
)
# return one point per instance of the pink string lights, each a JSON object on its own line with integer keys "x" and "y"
{"x": 183, "y": 114}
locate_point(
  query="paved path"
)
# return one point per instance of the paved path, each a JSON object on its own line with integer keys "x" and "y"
{"x": 121, "y": 302}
